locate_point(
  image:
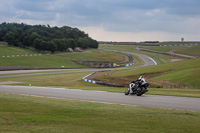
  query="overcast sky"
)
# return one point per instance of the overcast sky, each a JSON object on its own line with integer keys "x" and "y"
{"x": 112, "y": 20}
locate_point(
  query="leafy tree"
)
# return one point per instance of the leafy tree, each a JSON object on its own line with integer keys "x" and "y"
{"x": 37, "y": 43}
{"x": 34, "y": 36}
{"x": 44, "y": 37}
{"x": 52, "y": 47}
{"x": 71, "y": 43}
{"x": 43, "y": 45}
{"x": 9, "y": 38}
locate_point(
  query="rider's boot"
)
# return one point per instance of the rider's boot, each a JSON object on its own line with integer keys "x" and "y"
{"x": 131, "y": 88}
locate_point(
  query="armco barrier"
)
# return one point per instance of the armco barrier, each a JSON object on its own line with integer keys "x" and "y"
{"x": 100, "y": 83}
{"x": 90, "y": 81}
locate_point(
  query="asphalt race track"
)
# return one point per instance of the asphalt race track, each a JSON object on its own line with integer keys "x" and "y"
{"x": 148, "y": 62}
{"x": 170, "y": 102}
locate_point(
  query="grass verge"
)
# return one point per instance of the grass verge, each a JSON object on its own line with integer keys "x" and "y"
{"x": 93, "y": 55}
{"x": 70, "y": 80}
{"x": 43, "y": 61}
{"x": 43, "y": 115}
{"x": 175, "y": 92}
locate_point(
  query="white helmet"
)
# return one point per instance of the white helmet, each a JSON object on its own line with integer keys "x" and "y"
{"x": 141, "y": 77}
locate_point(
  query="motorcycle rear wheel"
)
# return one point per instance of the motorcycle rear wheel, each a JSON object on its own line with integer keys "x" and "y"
{"x": 141, "y": 91}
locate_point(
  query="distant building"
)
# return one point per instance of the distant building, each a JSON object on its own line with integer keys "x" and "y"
{"x": 78, "y": 49}
{"x": 70, "y": 50}
{"x": 182, "y": 39}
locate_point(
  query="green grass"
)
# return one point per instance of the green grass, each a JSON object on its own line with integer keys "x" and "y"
{"x": 43, "y": 115}
{"x": 188, "y": 50}
{"x": 54, "y": 60}
{"x": 175, "y": 92}
{"x": 8, "y": 51}
{"x": 34, "y": 114}
{"x": 43, "y": 61}
{"x": 193, "y": 50}
{"x": 137, "y": 61}
{"x": 164, "y": 48}
{"x": 189, "y": 76}
{"x": 119, "y": 47}
{"x": 5, "y": 51}
{"x": 187, "y": 64}
{"x": 184, "y": 72}
{"x": 94, "y": 55}
{"x": 70, "y": 80}
{"x": 159, "y": 58}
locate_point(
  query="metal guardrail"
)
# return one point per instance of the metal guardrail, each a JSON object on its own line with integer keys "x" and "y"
{"x": 98, "y": 82}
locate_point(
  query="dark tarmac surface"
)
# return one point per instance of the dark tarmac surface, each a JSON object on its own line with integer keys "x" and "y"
{"x": 170, "y": 102}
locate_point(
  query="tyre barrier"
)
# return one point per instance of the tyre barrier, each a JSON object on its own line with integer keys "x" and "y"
{"x": 128, "y": 64}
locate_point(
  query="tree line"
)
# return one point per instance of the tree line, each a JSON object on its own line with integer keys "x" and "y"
{"x": 45, "y": 38}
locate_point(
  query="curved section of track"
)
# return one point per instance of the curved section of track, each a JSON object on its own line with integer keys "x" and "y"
{"x": 147, "y": 60}
{"x": 183, "y": 103}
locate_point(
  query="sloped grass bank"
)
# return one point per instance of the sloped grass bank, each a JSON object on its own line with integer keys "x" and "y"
{"x": 194, "y": 50}
{"x": 187, "y": 50}
{"x": 187, "y": 76}
{"x": 93, "y": 55}
{"x": 27, "y": 58}
{"x": 15, "y": 56}
{"x": 163, "y": 48}
{"x": 42, "y": 61}
{"x": 159, "y": 58}
{"x": 184, "y": 72}
{"x": 8, "y": 51}
{"x": 33, "y": 114}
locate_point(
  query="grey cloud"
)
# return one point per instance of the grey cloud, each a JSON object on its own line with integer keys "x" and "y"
{"x": 113, "y": 15}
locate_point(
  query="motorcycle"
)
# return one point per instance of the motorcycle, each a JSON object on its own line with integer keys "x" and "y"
{"x": 139, "y": 88}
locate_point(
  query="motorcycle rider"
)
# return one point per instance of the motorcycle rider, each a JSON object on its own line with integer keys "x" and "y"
{"x": 135, "y": 83}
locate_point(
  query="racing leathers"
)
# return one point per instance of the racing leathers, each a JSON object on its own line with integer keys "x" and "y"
{"x": 135, "y": 84}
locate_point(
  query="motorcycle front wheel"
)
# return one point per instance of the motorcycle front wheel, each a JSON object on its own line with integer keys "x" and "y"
{"x": 127, "y": 91}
